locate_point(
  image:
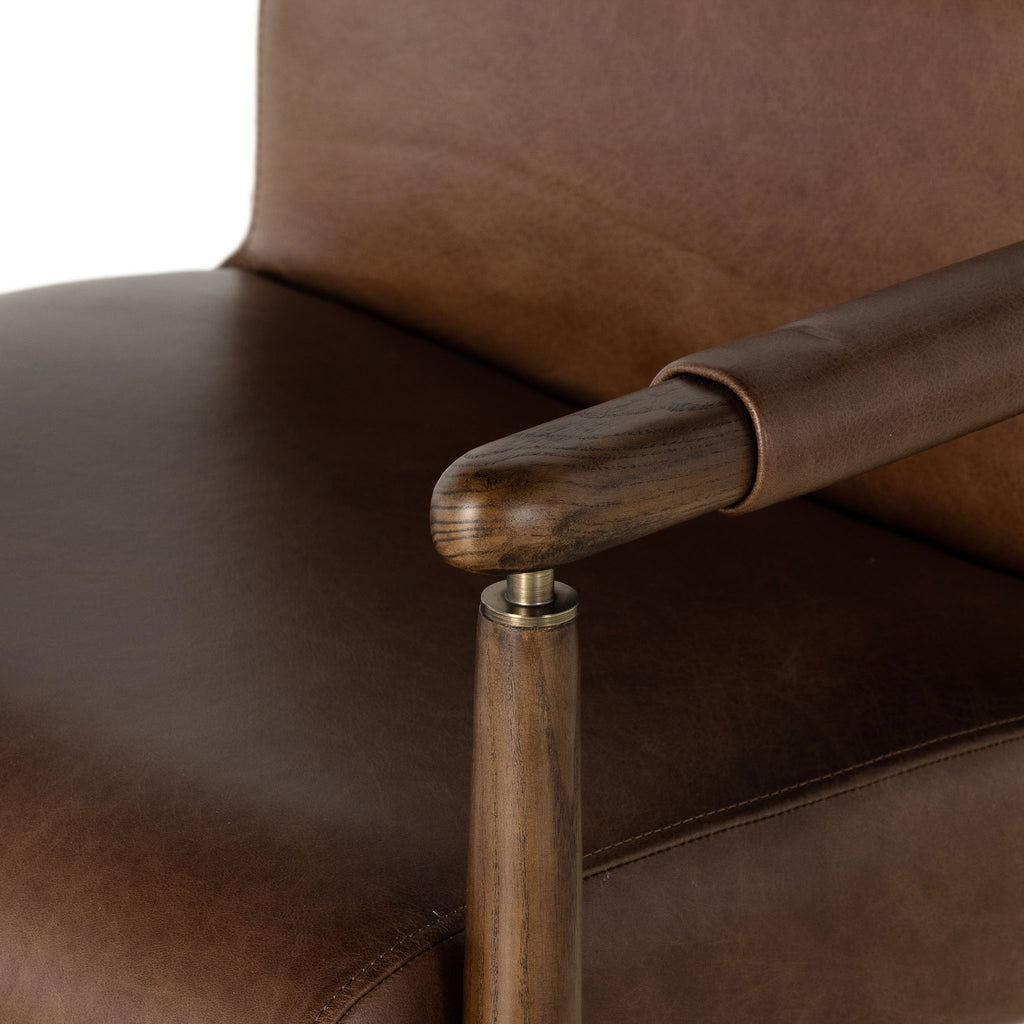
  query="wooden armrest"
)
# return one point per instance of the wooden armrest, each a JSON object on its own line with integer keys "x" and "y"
{"x": 594, "y": 479}
{"x": 748, "y": 423}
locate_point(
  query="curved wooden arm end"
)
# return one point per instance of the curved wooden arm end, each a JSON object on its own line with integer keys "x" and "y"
{"x": 594, "y": 479}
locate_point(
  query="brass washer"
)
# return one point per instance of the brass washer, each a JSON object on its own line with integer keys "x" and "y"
{"x": 496, "y": 607}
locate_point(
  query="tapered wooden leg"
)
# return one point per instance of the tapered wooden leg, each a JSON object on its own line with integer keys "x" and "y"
{"x": 523, "y": 929}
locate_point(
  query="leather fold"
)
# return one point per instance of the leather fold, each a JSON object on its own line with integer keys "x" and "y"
{"x": 870, "y": 381}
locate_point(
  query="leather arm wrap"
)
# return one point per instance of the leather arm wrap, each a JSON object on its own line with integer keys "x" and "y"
{"x": 879, "y": 378}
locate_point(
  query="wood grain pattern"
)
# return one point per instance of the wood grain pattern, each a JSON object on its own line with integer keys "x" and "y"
{"x": 597, "y": 478}
{"x": 523, "y": 921}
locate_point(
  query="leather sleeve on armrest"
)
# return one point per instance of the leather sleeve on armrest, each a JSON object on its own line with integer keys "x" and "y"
{"x": 879, "y": 378}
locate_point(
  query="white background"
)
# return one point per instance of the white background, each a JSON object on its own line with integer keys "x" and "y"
{"x": 126, "y": 136}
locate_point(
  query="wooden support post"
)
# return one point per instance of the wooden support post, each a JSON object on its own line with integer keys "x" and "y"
{"x": 523, "y": 927}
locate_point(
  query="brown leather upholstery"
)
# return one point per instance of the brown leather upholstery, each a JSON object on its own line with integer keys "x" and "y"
{"x": 869, "y": 381}
{"x": 580, "y": 197}
{"x": 967, "y": 495}
{"x": 235, "y": 703}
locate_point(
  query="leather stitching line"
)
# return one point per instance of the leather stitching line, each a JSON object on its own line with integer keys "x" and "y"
{"x": 398, "y": 970}
{"x": 708, "y": 835}
{"x": 805, "y": 783}
{"x": 376, "y": 960}
{"x": 809, "y": 803}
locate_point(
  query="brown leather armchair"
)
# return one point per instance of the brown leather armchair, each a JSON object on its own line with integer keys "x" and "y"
{"x": 235, "y": 679}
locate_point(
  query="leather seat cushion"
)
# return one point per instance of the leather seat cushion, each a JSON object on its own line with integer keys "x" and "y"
{"x": 235, "y": 702}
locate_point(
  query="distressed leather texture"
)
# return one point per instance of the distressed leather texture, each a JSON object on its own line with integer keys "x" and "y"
{"x": 581, "y": 195}
{"x": 869, "y": 381}
{"x": 235, "y": 703}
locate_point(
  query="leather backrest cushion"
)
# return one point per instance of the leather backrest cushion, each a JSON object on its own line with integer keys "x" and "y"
{"x": 580, "y": 193}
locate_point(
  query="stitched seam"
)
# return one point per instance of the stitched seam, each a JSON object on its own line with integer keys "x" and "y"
{"x": 380, "y": 981}
{"x": 597, "y": 872}
{"x": 809, "y": 803}
{"x": 377, "y": 960}
{"x": 804, "y": 784}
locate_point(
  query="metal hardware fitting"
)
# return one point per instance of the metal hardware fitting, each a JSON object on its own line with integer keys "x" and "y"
{"x": 530, "y": 600}
{"x": 530, "y": 588}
